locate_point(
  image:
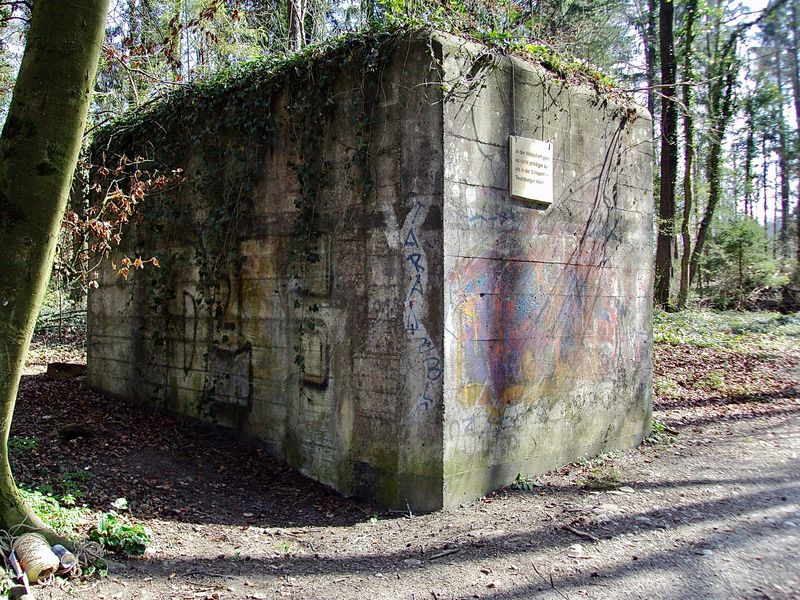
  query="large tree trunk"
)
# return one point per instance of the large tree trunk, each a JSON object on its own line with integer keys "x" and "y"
{"x": 749, "y": 156}
{"x": 669, "y": 155}
{"x": 721, "y": 111}
{"x": 651, "y": 56}
{"x": 688, "y": 150}
{"x": 296, "y": 13}
{"x": 38, "y": 151}
{"x": 783, "y": 167}
{"x": 795, "y": 76}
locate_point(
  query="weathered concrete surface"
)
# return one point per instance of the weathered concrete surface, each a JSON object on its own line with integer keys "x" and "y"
{"x": 458, "y": 337}
{"x": 547, "y": 311}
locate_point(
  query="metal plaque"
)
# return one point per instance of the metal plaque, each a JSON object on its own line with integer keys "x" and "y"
{"x": 530, "y": 164}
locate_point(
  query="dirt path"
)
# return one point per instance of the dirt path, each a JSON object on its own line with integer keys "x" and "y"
{"x": 714, "y": 513}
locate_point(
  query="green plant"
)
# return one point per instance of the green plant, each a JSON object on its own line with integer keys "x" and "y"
{"x": 117, "y": 533}
{"x": 6, "y": 583}
{"x": 600, "y": 478}
{"x": 523, "y": 483}
{"x": 666, "y": 388}
{"x": 21, "y": 443}
{"x": 99, "y": 568}
{"x": 715, "y": 381}
{"x": 658, "y": 427}
{"x": 285, "y": 547}
{"x": 660, "y": 433}
{"x": 72, "y": 483}
{"x": 59, "y": 513}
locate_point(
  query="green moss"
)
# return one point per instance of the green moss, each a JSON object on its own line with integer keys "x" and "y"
{"x": 577, "y": 71}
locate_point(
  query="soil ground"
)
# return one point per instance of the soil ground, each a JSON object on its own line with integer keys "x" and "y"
{"x": 711, "y": 512}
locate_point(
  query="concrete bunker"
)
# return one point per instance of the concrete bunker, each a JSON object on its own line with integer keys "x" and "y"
{"x": 346, "y": 275}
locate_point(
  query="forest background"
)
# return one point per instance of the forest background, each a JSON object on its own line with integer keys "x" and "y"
{"x": 719, "y": 76}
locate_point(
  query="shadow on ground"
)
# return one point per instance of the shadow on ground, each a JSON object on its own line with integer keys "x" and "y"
{"x": 166, "y": 466}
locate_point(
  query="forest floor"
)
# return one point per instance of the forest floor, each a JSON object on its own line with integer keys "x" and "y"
{"x": 708, "y": 508}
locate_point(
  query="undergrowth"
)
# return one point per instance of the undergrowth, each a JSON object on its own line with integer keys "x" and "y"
{"x": 727, "y": 330}
{"x": 600, "y": 478}
{"x": 113, "y": 530}
{"x": 660, "y": 434}
{"x": 118, "y": 533}
{"x": 59, "y": 513}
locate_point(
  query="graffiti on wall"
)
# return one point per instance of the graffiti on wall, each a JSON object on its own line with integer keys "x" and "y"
{"x": 416, "y": 308}
{"x": 528, "y": 330}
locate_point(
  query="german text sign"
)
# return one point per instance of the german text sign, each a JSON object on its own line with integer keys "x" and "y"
{"x": 530, "y": 165}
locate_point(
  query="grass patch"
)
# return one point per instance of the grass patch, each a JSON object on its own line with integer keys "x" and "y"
{"x": 667, "y": 388}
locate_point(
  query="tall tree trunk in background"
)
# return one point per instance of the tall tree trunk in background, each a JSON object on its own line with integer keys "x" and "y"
{"x": 38, "y": 150}
{"x": 688, "y": 149}
{"x": 669, "y": 154}
{"x": 783, "y": 167}
{"x": 795, "y": 77}
{"x": 296, "y": 13}
{"x": 175, "y": 49}
{"x": 650, "y": 41}
{"x": 749, "y": 156}
{"x": 765, "y": 203}
{"x": 645, "y": 24}
{"x": 651, "y": 56}
{"x": 722, "y": 75}
{"x": 135, "y": 35}
{"x": 134, "y": 23}
{"x": 720, "y": 113}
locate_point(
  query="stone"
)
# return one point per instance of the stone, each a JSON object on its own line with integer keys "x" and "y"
{"x": 61, "y": 371}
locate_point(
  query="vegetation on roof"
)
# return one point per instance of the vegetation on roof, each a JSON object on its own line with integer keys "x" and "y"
{"x": 267, "y": 73}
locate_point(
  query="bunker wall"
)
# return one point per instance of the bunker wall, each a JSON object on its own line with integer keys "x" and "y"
{"x": 345, "y": 276}
{"x": 547, "y": 308}
{"x": 218, "y": 331}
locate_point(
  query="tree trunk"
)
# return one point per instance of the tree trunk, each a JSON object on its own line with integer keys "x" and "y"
{"x": 783, "y": 167}
{"x": 720, "y": 112}
{"x": 296, "y": 13}
{"x": 765, "y": 203}
{"x": 669, "y": 155}
{"x": 688, "y": 151}
{"x": 650, "y": 55}
{"x": 795, "y": 76}
{"x": 740, "y": 304}
{"x": 749, "y": 156}
{"x": 38, "y": 151}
